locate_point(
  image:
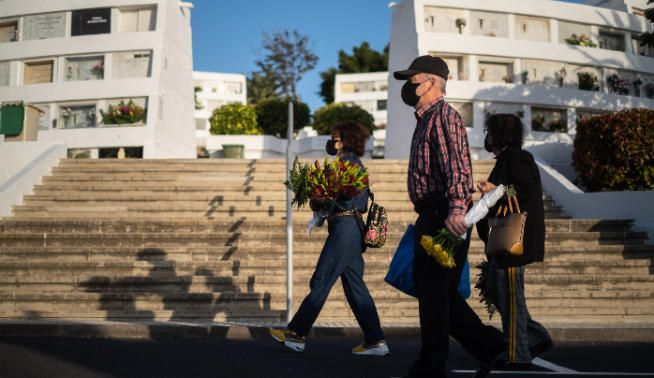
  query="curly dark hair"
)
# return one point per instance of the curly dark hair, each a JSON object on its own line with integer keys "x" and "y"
{"x": 353, "y": 136}
{"x": 505, "y": 130}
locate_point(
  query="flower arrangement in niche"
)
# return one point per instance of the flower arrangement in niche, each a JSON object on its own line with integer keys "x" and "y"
{"x": 460, "y": 24}
{"x": 123, "y": 113}
{"x": 617, "y": 85}
{"x": 587, "y": 81}
{"x": 581, "y": 40}
{"x": 98, "y": 69}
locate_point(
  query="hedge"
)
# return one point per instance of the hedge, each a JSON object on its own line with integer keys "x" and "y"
{"x": 615, "y": 151}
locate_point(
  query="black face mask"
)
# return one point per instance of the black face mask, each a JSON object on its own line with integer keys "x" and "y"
{"x": 330, "y": 148}
{"x": 408, "y": 93}
{"x": 488, "y": 143}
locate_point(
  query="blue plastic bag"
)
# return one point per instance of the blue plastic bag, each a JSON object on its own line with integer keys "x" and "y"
{"x": 400, "y": 272}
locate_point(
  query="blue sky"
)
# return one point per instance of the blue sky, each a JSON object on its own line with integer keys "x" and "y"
{"x": 227, "y": 34}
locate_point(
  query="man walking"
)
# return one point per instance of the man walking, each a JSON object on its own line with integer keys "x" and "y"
{"x": 440, "y": 187}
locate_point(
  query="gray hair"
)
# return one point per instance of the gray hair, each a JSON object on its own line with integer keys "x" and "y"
{"x": 440, "y": 82}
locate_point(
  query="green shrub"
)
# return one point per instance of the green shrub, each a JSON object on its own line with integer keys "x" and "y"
{"x": 613, "y": 152}
{"x": 272, "y": 116}
{"x": 332, "y": 114}
{"x": 234, "y": 119}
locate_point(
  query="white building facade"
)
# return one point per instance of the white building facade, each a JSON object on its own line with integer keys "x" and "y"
{"x": 213, "y": 90}
{"x": 550, "y": 62}
{"x": 77, "y": 60}
{"x": 370, "y": 92}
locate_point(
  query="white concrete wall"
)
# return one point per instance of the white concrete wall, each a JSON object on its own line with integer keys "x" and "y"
{"x": 380, "y": 116}
{"x": 634, "y": 205}
{"x": 24, "y": 164}
{"x": 169, "y": 130}
{"x": 403, "y": 49}
{"x": 208, "y": 81}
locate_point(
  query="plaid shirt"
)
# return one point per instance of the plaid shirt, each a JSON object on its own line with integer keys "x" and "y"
{"x": 440, "y": 157}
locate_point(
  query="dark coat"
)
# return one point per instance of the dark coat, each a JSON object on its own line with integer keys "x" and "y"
{"x": 516, "y": 166}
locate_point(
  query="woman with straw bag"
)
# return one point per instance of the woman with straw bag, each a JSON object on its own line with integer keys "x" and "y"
{"x": 514, "y": 233}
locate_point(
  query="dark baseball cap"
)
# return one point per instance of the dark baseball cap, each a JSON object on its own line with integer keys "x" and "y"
{"x": 424, "y": 64}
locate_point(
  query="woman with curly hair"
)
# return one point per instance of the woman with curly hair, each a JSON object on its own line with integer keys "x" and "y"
{"x": 341, "y": 256}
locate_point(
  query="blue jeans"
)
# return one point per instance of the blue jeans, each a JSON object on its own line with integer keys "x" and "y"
{"x": 340, "y": 257}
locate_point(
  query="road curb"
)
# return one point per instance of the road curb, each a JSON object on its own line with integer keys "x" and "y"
{"x": 171, "y": 330}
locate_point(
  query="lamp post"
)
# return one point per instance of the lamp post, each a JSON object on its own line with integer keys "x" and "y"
{"x": 289, "y": 218}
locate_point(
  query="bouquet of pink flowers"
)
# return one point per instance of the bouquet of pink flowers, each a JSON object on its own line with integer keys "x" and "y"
{"x": 334, "y": 179}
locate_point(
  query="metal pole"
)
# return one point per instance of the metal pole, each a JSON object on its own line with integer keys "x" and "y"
{"x": 289, "y": 219}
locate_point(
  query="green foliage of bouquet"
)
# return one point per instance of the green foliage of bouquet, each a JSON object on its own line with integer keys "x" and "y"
{"x": 123, "y": 113}
{"x": 334, "y": 179}
{"x": 441, "y": 247}
{"x": 481, "y": 284}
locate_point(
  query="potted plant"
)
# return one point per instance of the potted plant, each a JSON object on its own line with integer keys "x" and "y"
{"x": 587, "y": 81}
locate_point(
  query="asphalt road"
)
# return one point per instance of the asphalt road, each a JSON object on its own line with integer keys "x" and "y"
{"x": 26, "y": 357}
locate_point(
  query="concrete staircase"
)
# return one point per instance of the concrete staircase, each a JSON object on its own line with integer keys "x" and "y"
{"x": 204, "y": 240}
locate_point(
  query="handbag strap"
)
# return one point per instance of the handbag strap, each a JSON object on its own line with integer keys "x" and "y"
{"x": 512, "y": 207}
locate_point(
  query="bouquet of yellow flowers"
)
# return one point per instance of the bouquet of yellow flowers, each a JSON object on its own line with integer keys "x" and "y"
{"x": 335, "y": 178}
{"x": 441, "y": 247}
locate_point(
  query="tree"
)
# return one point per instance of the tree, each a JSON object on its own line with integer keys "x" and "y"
{"x": 234, "y": 119}
{"x": 327, "y": 85}
{"x": 647, "y": 39}
{"x": 332, "y": 114}
{"x": 362, "y": 59}
{"x": 272, "y": 116}
{"x": 287, "y": 57}
{"x": 261, "y": 87}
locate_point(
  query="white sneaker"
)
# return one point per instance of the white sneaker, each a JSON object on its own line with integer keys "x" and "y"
{"x": 291, "y": 341}
{"x": 379, "y": 349}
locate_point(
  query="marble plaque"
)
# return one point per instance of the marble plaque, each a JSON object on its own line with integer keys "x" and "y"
{"x": 489, "y": 24}
{"x": 442, "y": 20}
{"x": 84, "y": 68}
{"x": 532, "y": 29}
{"x": 130, "y": 65}
{"x": 8, "y": 31}
{"x": 38, "y": 72}
{"x": 494, "y": 72}
{"x": 41, "y": 26}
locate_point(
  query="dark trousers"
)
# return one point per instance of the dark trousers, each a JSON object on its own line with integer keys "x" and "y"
{"x": 522, "y": 334}
{"x": 340, "y": 257}
{"x": 443, "y": 312}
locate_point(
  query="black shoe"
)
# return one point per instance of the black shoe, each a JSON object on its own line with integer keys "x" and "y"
{"x": 486, "y": 367}
{"x": 541, "y": 347}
